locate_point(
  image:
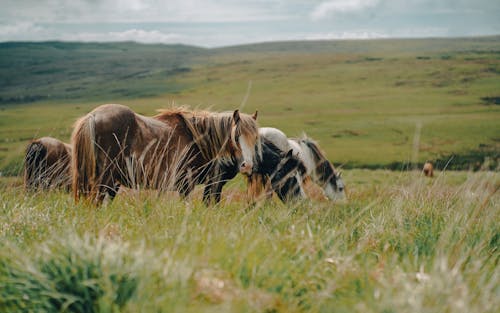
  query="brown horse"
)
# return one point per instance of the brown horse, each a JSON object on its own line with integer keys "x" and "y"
{"x": 428, "y": 169}
{"x": 174, "y": 150}
{"x": 47, "y": 164}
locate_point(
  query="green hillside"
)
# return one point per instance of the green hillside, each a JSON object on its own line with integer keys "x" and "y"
{"x": 57, "y": 70}
{"x": 373, "y": 103}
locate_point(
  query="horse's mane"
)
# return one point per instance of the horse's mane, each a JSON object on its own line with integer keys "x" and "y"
{"x": 210, "y": 131}
{"x": 313, "y": 146}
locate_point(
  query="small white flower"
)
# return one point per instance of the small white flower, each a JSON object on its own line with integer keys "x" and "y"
{"x": 421, "y": 276}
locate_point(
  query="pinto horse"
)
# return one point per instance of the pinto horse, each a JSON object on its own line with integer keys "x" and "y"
{"x": 318, "y": 167}
{"x": 275, "y": 170}
{"x": 47, "y": 164}
{"x": 174, "y": 150}
{"x": 279, "y": 172}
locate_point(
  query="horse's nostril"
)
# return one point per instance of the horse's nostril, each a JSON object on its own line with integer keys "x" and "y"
{"x": 341, "y": 189}
{"x": 243, "y": 165}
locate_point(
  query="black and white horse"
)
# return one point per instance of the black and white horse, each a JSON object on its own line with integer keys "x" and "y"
{"x": 321, "y": 171}
{"x": 279, "y": 170}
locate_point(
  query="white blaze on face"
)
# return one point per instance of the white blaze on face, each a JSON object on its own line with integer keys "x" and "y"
{"x": 247, "y": 154}
{"x": 330, "y": 192}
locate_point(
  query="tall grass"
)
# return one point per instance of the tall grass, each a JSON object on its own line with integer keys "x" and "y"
{"x": 69, "y": 275}
{"x": 401, "y": 243}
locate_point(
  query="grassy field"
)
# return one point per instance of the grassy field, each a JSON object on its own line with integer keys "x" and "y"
{"x": 401, "y": 243}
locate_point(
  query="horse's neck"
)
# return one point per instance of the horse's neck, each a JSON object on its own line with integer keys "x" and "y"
{"x": 152, "y": 126}
{"x": 305, "y": 155}
{"x": 211, "y": 141}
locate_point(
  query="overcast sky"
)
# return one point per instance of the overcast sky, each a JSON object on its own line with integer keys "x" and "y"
{"x": 212, "y": 23}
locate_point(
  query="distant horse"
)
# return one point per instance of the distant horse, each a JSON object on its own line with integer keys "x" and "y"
{"x": 318, "y": 167}
{"x": 47, "y": 164}
{"x": 276, "y": 171}
{"x": 174, "y": 150}
{"x": 428, "y": 169}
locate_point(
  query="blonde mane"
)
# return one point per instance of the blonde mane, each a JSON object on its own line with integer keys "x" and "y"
{"x": 313, "y": 146}
{"x": 212, "y": 131}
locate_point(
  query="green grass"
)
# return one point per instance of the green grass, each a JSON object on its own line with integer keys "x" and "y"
{"x": 363, "y": 100}
{"x": 401, "y": 243}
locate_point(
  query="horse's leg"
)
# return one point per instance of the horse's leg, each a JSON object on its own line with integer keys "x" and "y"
{"x": 255, "y": 187}
{"x": 266, "y": 182}
{"x": 207, "y": 193}
{"x": 112, "y": 191}
{"x": 109, "y": 185}
{"x": 218, "y": 191}
{"x": 213, "y": 190}
{"x": 185, "y": 190}
{"x": 251, "y": 188}
{"x": 185, "y": 185}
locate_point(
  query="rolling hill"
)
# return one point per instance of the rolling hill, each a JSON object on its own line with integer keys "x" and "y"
{"x": 366, "y": 101}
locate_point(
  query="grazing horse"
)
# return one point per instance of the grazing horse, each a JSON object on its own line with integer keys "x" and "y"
{"x": 279, "y": 172}
{"x": 47, "y": 164}
{"x": 428, "y": 169}
{"x": 317, "y": 165}
{"x": 275, "y": 170}
{"x": 174, "y": 150}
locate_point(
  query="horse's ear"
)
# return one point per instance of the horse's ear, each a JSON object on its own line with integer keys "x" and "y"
{"x": 254, "y": 116}
{"x": 236, "y": 116}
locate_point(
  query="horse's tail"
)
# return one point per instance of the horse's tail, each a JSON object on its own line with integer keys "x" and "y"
{"x": 34, "y": 165}
{"x": 83, "y": 160}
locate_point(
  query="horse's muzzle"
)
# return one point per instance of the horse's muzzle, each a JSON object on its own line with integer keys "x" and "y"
{"x": 246, "y": 168}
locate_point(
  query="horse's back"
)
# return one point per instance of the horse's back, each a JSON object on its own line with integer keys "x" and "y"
{"x": 113, "y": 118}
{"x": 276, "y": 136}
{"x": 56, "y": 149}
{"x": 47, "y": 163}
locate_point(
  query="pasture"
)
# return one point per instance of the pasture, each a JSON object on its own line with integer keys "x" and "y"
{"x": 401, "y": 242}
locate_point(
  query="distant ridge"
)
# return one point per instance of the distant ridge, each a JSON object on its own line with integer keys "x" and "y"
{"x": 66, "y": 71}
{"x": 379, "y": 45}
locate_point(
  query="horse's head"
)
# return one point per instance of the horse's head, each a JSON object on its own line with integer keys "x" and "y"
{"x": 330, "y": 180}
{"x": 245, "y": 140}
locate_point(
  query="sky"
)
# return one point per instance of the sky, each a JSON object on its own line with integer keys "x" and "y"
{"x": 215, "y": 23}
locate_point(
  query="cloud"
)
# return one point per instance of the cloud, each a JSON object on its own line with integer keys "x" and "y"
{"x": 32, "y": 32}
{"x": 137, "y": 35}
{"x": 360, "y": 34}
{"x": 332, "y": 7}
{"x": 226, "y": 22}
{"x": 19, "y": 31}
{"x": 138, "y": 11}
